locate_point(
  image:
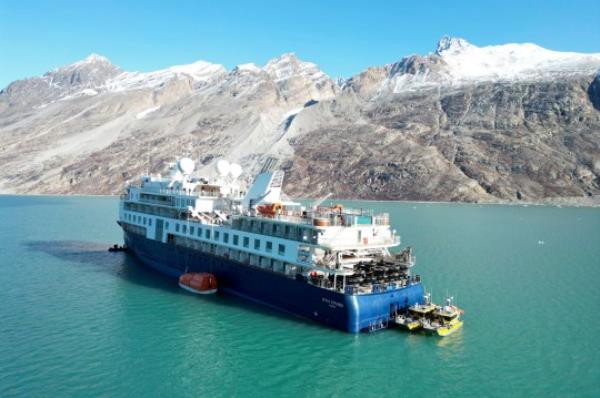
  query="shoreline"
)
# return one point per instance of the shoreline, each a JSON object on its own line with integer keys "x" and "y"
{"x": 585, "y": 201}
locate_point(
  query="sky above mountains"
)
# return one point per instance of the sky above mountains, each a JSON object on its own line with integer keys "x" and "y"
{"x": 342, "y": 37}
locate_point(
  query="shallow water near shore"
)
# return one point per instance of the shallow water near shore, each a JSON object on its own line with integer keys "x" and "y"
{"x": 76, "y": 320}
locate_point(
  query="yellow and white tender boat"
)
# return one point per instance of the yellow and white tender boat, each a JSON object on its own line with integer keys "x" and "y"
{"x": 444, "y": 320}
{"x": 413, "y": 318}
{"x": 450, "y": 328}
{"x": 440, "y": 320}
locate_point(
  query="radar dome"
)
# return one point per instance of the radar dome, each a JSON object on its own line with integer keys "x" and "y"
{"x": 223, "y": 167}
{"x": 235, "y": 170}
{"x": 186, "y": 165}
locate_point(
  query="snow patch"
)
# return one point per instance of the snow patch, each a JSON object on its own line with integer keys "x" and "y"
{"x": 250, "y": 67}
{"x": 89, "y": 92}
{"x": 199, "y": 71}
{"x": 146, "y": 112}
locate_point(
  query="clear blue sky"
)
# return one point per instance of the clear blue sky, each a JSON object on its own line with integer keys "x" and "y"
{"x": 342, "y": 37}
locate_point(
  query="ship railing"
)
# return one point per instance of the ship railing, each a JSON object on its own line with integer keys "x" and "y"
{"x": 365, "y": 243}
{"x": 331, "y": 218}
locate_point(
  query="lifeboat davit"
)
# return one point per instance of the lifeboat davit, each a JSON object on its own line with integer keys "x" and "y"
{"x": 198, "y": 282}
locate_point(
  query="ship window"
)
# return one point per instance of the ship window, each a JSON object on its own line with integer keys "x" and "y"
{"x": 217, "y": 233}
{"x": 199, "y": 232}
{"x": 176, "y": 227}
{"x": 207, "y": 234}
{"x": 166, "y": 225}
{"x": 191, "y": 230}
{"x": 256, "y": 244}
{"x": 150, "y": 222}
{"x": 236, "y": 240}
{"x": 144, "y": 220}
{"x": 281, "y": 250}
{"x": 269, "y": 246}
{"x": 287, "y": 230}
{"x": 184, "y": 229}
{"x": 226, "y": 237}
{"x": 246, "y": 241}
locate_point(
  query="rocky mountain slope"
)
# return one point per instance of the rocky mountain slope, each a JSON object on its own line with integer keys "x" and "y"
{"x": 511, "y": 122}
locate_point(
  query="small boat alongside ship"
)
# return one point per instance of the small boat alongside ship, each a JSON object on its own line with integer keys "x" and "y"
{"x": 330, "y": 264}
{"x": 432, "y": 318}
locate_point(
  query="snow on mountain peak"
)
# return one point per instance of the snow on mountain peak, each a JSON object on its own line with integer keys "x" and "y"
{"x": 93, "y": 57}
{"x": 451, "y": 45}
{"x": 199, "y": 70}
{"x": 515, "y": 62}
{"x": 92, "y": 60}
{"x": 249, "y": 68}
{"x": 288, "y": 65}
{"x": 457, "y": 62}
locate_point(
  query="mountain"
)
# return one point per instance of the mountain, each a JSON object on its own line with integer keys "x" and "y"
{"x": 466, "y": 123}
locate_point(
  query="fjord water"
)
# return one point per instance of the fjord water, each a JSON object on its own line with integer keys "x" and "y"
{"x": 76, "y": 320}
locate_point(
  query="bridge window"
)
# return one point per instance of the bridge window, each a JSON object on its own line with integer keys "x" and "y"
{"x": 281, "y": 250}
{"x": 185, "y": 229}
{"x": 236, "y": 240}
{"x": 256, "y": 244}
{"x": 226, "y": 237}
{"x": 217, "y": 234}
{"x": 177, "y": 227}
{"x": 207, "y": 234}
{"x": 191, "y": 230}
{"x": 269, "y": 246}
{"x": 246, "y": 241}
{"x": 199, "y": 232}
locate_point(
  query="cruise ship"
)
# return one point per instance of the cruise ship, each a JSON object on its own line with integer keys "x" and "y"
{"x": 329, "y": 264}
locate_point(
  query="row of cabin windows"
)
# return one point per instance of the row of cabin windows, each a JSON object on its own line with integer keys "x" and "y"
{"x": 138, "y": 219}
{"x": 245, "y": 257}
{"x": 286, "y": 231}
{"x": 207, "y": 233}
{"x": 236, "y": 238}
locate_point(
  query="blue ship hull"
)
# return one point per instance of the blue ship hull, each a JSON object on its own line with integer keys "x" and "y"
{"x": 350, "y": 313}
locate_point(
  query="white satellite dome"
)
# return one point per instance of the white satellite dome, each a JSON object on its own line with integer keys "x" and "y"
{"x": 235, "y": 170}
{"x": 223, "y": 167}
{"x": 186, "y": 165}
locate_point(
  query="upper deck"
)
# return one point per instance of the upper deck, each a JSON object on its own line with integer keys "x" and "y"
{"x": 261, "y": 210}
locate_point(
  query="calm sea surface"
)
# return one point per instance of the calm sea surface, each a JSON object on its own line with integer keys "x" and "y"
{"x": 76, "y": 320}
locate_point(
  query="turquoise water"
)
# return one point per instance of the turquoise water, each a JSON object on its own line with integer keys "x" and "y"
{"x": 76, "y": 320}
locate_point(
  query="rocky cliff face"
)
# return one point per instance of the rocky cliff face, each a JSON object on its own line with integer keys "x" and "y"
{"x": 467, "y": 123}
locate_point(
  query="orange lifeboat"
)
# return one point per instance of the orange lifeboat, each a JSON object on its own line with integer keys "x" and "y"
{"x": 269, "y": 210}
{"x": 198, "y": 282}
